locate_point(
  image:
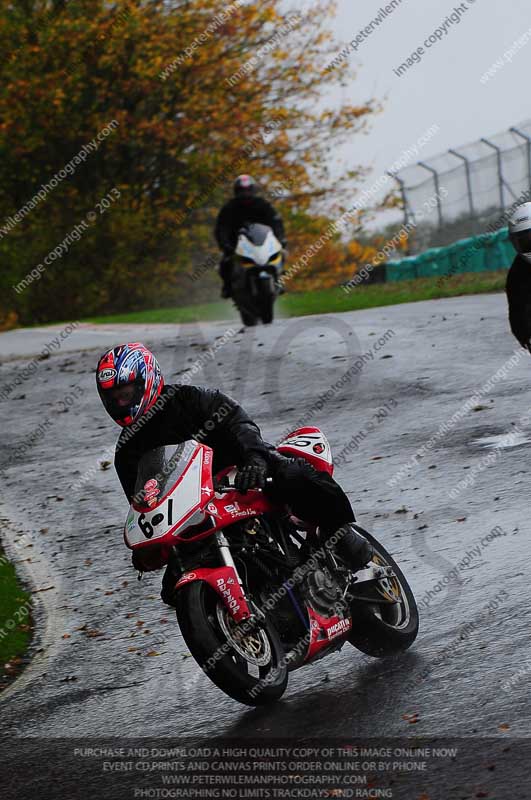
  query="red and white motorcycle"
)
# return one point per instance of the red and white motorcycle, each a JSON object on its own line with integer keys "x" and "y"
{"x": 257, "y": 593}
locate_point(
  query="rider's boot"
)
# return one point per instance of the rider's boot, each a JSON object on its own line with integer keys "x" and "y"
{"x": 351, "y": 546}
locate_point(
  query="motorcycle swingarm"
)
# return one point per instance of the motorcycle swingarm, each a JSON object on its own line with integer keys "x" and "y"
{"x": 368, "y": 578}
{"x": 374, "y": 573}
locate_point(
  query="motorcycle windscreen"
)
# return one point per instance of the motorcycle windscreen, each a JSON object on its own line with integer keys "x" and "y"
{"x": 168, "y": 492}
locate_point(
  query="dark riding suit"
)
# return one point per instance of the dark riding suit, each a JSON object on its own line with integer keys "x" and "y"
{"x": 518, "y": 290}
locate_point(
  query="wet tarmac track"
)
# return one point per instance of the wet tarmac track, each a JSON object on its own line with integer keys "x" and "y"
{"x": 109, "y": 660}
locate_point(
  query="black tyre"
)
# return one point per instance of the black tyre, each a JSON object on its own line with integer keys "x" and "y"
{"x": 248, "y": 313}
{"x": 384, "y": 628}
{"x": 266, "y": 308}
{"x": 250, "y": 666}
{"x": 247, "y": 318}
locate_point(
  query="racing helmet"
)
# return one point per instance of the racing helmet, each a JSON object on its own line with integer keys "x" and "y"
{"x": 520, "y": 231}
{"x": 129, "y": 381}
{"x": 245, "y": 186}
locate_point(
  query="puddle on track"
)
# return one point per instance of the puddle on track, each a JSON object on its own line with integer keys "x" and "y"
{"x": 503, "y": 440}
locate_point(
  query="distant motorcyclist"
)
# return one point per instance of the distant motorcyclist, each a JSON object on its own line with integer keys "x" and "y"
{"x": 518, "y": 286}
{"x": 132, "y": 390}
{"x": 245, "y": 206}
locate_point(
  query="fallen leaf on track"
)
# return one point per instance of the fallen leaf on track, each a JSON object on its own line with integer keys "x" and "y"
{"x": 93, "y": 634}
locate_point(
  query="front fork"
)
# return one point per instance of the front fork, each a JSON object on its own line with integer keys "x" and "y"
{"x": 225, "y": 553}
{"x": 226, "y": 557}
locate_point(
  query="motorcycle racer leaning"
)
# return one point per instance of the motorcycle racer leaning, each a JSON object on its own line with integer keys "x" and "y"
{"x": 246, "y": 206}
{"x": 132, "y": 389}
{"x": 518, "y": 285}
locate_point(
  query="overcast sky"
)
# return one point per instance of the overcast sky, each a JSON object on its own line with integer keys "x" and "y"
{"x": 444, "y": 88}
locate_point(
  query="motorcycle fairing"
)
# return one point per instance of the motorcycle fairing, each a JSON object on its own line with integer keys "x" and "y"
{"x": 309, "y": 443}
{"x": 179, "y": 508}
{"x": 225, "y": 583}
{"x": 192, "y": 501}
{"x": 256, "y": 253}
{"x": 324, "y": 631}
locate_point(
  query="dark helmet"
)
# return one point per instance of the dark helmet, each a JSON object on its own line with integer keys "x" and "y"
{"x": 129, "y": 381}
{"x": 244, "y": 185}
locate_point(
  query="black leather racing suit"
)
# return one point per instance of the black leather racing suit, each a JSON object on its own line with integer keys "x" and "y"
{"x": 518, "y": 290}
{"x": 191, "y": 412}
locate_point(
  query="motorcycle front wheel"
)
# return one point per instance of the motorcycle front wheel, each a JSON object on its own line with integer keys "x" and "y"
{"x": 245, "y": 661}
{"x": 248, "y": 313}
{"x": 266, "y": 304}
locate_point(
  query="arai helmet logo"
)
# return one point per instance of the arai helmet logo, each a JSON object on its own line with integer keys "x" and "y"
{"x": 107, "y": 374}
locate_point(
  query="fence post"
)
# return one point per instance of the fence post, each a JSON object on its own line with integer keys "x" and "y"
{"x": 468, "y": 180}
{"x": 402, "y": 186}
{"x": 528, "y": 141}
{"x": 437, "y": 193}
{"x": 500, "y": 173}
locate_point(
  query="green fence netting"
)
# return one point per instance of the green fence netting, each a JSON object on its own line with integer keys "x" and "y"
{"x": 489, "y": 251}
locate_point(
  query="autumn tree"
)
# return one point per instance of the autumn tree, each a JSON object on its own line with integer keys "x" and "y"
{"x": 167, "y": 101}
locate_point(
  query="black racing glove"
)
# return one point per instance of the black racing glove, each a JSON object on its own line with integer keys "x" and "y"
{"x": 252, "y": 475}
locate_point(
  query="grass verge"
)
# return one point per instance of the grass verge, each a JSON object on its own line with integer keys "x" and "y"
{"x": 328, "y": 301}
{"x": 15, "y": 623}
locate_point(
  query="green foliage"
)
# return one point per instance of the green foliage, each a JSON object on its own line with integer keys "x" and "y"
{"x": 329, "y": 301}
{"x": 14, "y": 618}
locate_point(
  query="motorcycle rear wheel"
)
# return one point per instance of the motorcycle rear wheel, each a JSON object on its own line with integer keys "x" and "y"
{"x": 249, "y": 668}
{"x": 385, "y": 629}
